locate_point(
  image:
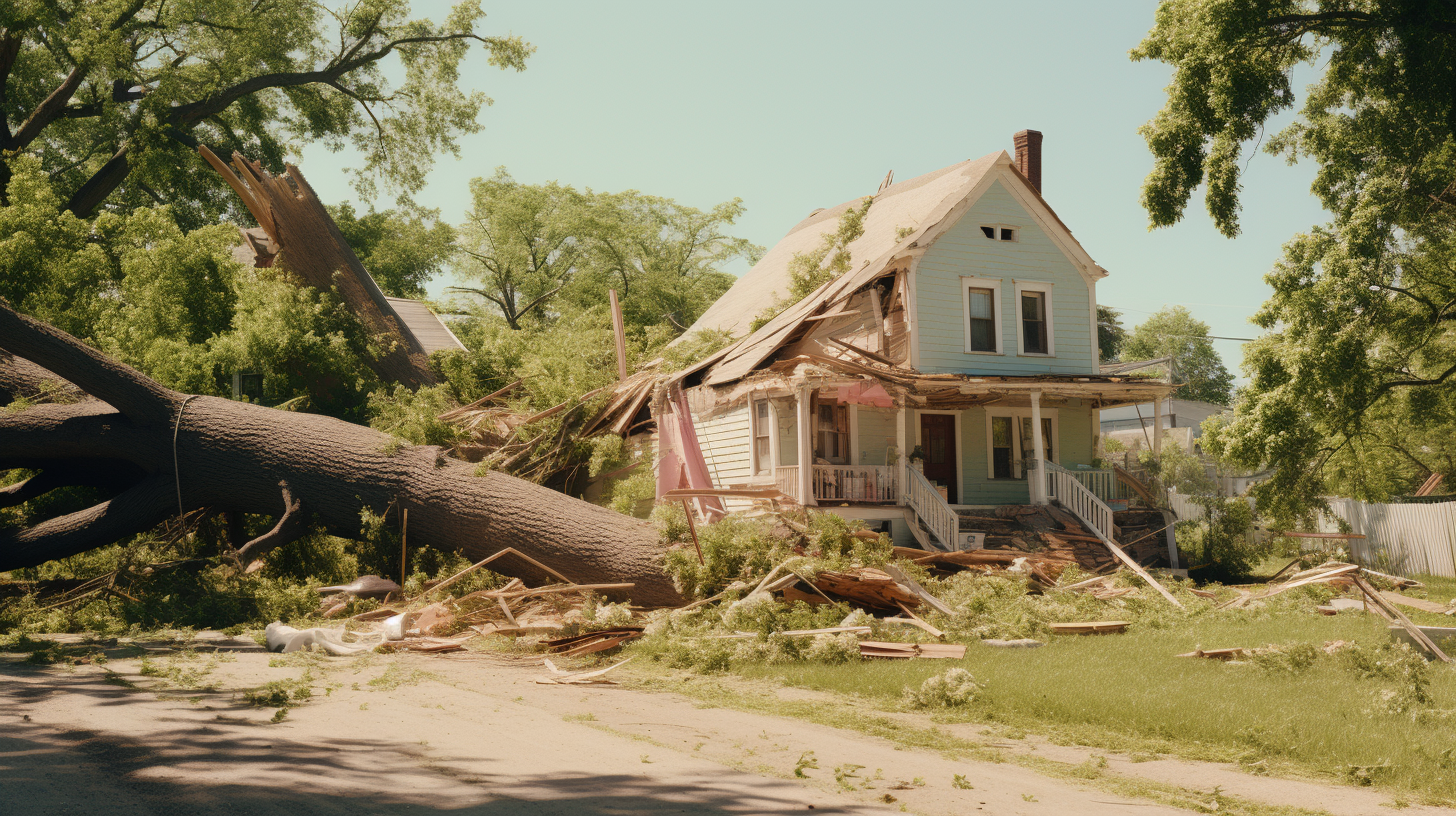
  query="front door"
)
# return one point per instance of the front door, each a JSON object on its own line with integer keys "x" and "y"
{"x": 937, "y": 440}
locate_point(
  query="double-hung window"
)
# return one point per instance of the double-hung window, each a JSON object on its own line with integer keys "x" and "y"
{"x": 981, "y": 301}
{"x": 762, "y": 437}
{"x": 831, "y": 439}
{"x": 1034, "y": 318}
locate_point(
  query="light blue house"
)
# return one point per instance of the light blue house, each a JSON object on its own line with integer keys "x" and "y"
{"x": 964, "y": 338}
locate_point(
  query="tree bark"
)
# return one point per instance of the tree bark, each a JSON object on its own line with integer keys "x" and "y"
{"x": 232, "y": 456}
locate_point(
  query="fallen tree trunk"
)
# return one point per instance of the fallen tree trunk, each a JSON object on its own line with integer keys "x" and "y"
{"x": 176, "y": 453}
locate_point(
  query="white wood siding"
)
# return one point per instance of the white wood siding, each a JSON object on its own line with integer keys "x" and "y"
{"x": 725, "y": 442}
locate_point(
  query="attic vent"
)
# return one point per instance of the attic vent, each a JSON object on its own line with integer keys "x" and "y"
{"x": 990, "y": 232}
{"x": 999, "y": 233}
{"x": 1008, "y": 234}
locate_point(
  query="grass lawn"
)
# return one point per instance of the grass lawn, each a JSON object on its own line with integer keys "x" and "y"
{"x": 1130, "y": 693}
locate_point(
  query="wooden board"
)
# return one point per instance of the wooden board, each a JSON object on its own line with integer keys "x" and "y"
{"x": 905, "y": 651}
{"x": 1089, "y": 627}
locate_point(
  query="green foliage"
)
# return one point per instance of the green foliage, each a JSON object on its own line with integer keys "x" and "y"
{"x": 415, "y": 415}
{"x": 264, "y": 79}
{"x": 952, "y": 689}
{"x": 633, "y": 495}
{"x": 402, "y": 249}
{"x": 1175, "y": 332}
{"x": 694, "y": 348}
{"x": 532, "y": 250}
{"x": 810, "y": 270}
{"x": 279, "y": 694}
{"x": 1354, "y": 368}
{"x": 1110, "y": 333}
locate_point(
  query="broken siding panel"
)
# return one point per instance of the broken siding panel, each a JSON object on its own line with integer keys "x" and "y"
{"x": 725, "y": 440}
{"x": 964, "y": 251}
{"x": 876, "y": 434}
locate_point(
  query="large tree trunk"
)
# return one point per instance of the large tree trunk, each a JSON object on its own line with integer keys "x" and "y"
{"x": 237, "y": 457}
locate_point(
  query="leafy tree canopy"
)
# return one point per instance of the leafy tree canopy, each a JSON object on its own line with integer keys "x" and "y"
{"x": 402, "y": 249}
{"x": 1110, "y": 333}
{"x": 530, "y": 249}
{"x": 1359, "y": 339}
{"x": 1174, "y": 332}
{"x": 114, "y": 96}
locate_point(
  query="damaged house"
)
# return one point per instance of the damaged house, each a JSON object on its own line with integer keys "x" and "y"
{"x": 952, "y": 369}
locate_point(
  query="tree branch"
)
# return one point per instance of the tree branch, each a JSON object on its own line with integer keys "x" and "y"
{"x": 81, "y": 473}
{"x": 291, "y": 526}
{"x": 134, "y": 511}
{"x": 126, "y": 389}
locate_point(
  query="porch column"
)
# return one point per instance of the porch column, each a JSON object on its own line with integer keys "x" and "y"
{"x": 1038, "y": 485}
{"x": 902, "y": 462}
{"x": 806, "y": 449}
{"x": 1158, "y": 427}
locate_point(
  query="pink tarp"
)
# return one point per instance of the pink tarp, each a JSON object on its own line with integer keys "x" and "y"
{"x": 680, "y": 460}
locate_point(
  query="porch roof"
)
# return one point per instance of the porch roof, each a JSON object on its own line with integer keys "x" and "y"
{"x": 933, "y": 391}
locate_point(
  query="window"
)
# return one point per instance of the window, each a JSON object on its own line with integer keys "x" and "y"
{"x": 989, "y": 232}
{"x": 1003, "y": 464}
{"x": 762, "y": 437}
{"x": 1008, "y": 234}
{"x": 1034, "y": 334}
{"x": 1033, "y": 323}
{"x": 982, "y": 302}
{"x": 998, "y": 232}
{"x": 831, "y": 435}
{"x": 983, "y": 319}
{"x": 1009, "y": 441}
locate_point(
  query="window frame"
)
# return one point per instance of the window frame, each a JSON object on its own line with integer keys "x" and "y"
{"x": 1016, "y": 415}
{"x": 996, "y": 229}
{"x": 843, "y": 437}
{"x": 1045, "y": 287}
{"x": 994, "y": 284}
{"x": 755, "y": 432}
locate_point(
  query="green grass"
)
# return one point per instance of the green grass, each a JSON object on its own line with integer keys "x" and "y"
{"x": 1130, "y": 693}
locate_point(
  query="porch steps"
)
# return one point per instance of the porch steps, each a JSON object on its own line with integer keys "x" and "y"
{"x": 922, "y": 533}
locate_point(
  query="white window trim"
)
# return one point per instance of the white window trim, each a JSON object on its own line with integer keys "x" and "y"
{"x": 1016, "y": 414}
{"x": 1034, "y": 286}
{"x": 994, "y": 284}
{"x": 959, "y": 453}
{"x": 773, "y": 437}
{"x": 1015, "y": 230}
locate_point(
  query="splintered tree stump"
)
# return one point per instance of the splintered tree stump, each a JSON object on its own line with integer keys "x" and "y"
{"x": 304, "y": 469}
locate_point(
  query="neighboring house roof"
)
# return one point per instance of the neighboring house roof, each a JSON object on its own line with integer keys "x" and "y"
{"x": 426, "y": 326}
{"x": 925, "y": 206}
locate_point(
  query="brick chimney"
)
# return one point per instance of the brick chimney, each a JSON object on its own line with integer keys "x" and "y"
{"x": 1028, "y": 156}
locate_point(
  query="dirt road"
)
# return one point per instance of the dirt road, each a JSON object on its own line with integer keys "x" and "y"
{"x": 474, "y": 734}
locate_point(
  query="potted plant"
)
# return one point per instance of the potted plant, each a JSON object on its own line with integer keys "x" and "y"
{"x": 917, "y": 458}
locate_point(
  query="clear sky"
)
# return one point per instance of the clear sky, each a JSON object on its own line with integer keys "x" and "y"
{"x": 794, "y": 105}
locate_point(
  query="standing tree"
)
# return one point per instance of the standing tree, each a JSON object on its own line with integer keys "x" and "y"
{"x": 1174, "y": 332}
{"x": 529, "y": 245}
{"x": 1361, "y": 319}
{"x": 1110, "y": 333}
{"x": 520, "y": 242}
{"x": 115, "y": 95}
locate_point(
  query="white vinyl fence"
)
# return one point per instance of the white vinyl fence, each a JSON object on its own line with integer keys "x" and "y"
{"x": 1405, "y": 539}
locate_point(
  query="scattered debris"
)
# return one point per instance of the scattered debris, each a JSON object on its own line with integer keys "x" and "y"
{"x": 1018, "y": 643}
{"x": 1089, "y": 627}
{"x": 284, "y": 638}
{"x": 365, "y": 586}
{"x": 592, "y": 642}
{"x": 565, "y": 678}
{"x": 904, "y": 651}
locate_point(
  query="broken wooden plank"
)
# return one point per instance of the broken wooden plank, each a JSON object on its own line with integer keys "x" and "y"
{"x": 1217, "y": 654}
{"x": 1089, "y": 627}
{"x": 916, "y": 621}
{"x": 1415, "y": 631}
{"x": 1414, "y": 603}
{"x": 904, "y": 651}
{"x": 1142, "y": 573}
{"x": 920, "y": 592}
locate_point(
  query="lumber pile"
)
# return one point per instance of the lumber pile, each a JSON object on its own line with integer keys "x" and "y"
{"x": 867, "y": 587}
{"x": 1046, "y": 568}
{"x": 1054, "y": 534}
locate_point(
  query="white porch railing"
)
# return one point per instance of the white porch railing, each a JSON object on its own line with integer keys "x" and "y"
{"x": 851, "y": 483}
{"x": 1069, "y": 492}
{"x": 1102, "y": 482}
{"x": 934, "y": 511}
{"x": 856, "y": 483}
{"x": 786, "y": 479}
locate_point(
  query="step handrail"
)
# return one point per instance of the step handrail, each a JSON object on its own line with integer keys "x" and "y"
{"x": 935, "y": 512}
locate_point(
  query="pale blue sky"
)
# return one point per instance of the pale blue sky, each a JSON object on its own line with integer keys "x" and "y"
{"x": 797, "y": 105}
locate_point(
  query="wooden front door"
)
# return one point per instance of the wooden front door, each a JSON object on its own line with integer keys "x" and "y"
{"x": 937, "y": 440}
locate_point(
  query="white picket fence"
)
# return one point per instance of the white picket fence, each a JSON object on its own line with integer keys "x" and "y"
{"x": 1406, "y": 539}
